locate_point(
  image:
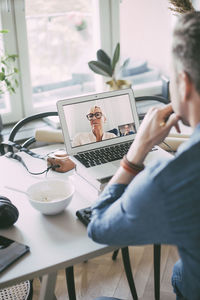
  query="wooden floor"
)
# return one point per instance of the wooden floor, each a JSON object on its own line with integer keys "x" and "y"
{"x": 103, "y": 277}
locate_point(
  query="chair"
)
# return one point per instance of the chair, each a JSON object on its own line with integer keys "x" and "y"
{"x": 26, "y": 120}
{"x": 21, "y": 291}
{"x": 156, "y": 258}
{"x": 143, "y": 103}
{"x": 20, "y": 124}
{"x": 127, "y": 267}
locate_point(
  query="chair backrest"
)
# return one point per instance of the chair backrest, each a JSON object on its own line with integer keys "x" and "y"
{"x": 26, "y": 120}
{"x": 153, "y": 98}
{"x": 145, "y": 102}
{"x": 21, "y": 291}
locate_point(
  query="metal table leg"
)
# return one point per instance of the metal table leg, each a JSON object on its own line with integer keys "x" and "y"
{"x": 70, "y": 282}
{"x": 48, "y": 283}
{"x": 157, "y": 254}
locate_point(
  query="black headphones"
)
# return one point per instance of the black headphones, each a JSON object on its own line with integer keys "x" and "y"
{"x": 8, "y": 212}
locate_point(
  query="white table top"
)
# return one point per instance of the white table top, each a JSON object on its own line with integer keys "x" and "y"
{"x": 56, "y": 241}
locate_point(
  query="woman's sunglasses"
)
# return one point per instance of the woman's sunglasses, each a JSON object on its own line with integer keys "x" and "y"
{"x": 97, "y": 115}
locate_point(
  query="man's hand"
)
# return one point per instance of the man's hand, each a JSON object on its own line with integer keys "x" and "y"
{"x": 153, "y": 130}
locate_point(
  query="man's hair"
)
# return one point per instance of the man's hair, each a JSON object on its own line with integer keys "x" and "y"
{"x": 186, "y": 46}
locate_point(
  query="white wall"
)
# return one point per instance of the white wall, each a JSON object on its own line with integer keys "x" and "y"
{"x": 196, "y": 4}
{"x": 145, "y": 31}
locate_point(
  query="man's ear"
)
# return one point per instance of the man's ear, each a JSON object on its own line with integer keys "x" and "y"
{"x": 185, "y": 85}
{"x": 104, "y": 117}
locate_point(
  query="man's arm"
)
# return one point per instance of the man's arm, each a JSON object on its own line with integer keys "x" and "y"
{"x": 133, "y": 214}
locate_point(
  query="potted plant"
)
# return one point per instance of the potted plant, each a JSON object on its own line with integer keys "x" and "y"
{"x": 181, "y": 6}
{"x": 106, "y": 66}
{"x": 8, "y": 72}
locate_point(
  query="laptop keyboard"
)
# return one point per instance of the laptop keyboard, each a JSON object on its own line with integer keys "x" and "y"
{"x": 103, "y": 155}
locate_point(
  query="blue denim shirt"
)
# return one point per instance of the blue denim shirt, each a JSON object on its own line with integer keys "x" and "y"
{"x": 161, "y": 205}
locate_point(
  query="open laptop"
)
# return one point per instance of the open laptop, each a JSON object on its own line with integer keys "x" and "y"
{"x": 98, "y": 161}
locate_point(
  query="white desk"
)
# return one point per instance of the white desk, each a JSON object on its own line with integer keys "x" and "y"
{"x": 56, "y": 242}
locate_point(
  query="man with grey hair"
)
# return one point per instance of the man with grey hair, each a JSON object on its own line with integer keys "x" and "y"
{"x": 160, "y": 204}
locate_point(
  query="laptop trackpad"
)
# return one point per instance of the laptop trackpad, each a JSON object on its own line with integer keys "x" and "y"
{"x": 105, "y": 170}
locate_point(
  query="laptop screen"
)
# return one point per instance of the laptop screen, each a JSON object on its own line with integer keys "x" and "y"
{"x": 107, "y": 117}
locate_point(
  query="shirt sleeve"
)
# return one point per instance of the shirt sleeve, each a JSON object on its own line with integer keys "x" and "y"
{"x": 131, "y": 215}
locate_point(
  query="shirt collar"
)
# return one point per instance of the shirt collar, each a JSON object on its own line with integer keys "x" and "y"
{"x": 103, "y": 137}
{"x": 195, "y": 138}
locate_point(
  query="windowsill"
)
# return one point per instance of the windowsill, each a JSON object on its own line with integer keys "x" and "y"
{"x": 148, "y": 88}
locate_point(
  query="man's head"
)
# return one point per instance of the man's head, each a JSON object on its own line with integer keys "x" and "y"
{"x": 126, "y": 128}
{"x": 185, "y": 60}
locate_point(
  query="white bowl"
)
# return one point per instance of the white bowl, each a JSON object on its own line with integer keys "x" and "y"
{"x": 51, "y": 196}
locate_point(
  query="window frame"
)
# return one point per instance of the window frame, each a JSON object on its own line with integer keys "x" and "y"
{"x": 14, "y": 112}
{"x": 106, "y": 16}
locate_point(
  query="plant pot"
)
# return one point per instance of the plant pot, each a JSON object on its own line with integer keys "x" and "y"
{"x": 118, "y": 84}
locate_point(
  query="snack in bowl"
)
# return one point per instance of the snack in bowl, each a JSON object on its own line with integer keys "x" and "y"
{"x": 51, "y": 196}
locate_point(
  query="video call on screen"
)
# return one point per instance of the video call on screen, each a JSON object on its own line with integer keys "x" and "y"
{"x": 116, "y": 121}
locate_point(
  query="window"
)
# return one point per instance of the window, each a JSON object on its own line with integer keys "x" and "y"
{"x": 60, "y": 43}
{"x": 11, "y": 108}
{"x": 54, "y": 41}
{"x": 2, "y": 97}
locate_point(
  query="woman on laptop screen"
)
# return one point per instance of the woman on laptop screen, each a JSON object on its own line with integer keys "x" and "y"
{"x": 97, "y": 119}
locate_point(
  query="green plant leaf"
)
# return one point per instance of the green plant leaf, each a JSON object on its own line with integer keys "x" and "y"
{"x": 3, "y": 62}
{"x": 11, "y": 57}
{"x": 8, "y": 71}
{"x": 103, "y": 57}
{"x": 115, "y": 57}
{"x": 125, "y": 64}
{"x": 7, "y": 82}
{"x": 4, "y": 31}
{"x": 16, "y": 83}
{"x": 100, "y": 68}
{"x": 2, "y": 76}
